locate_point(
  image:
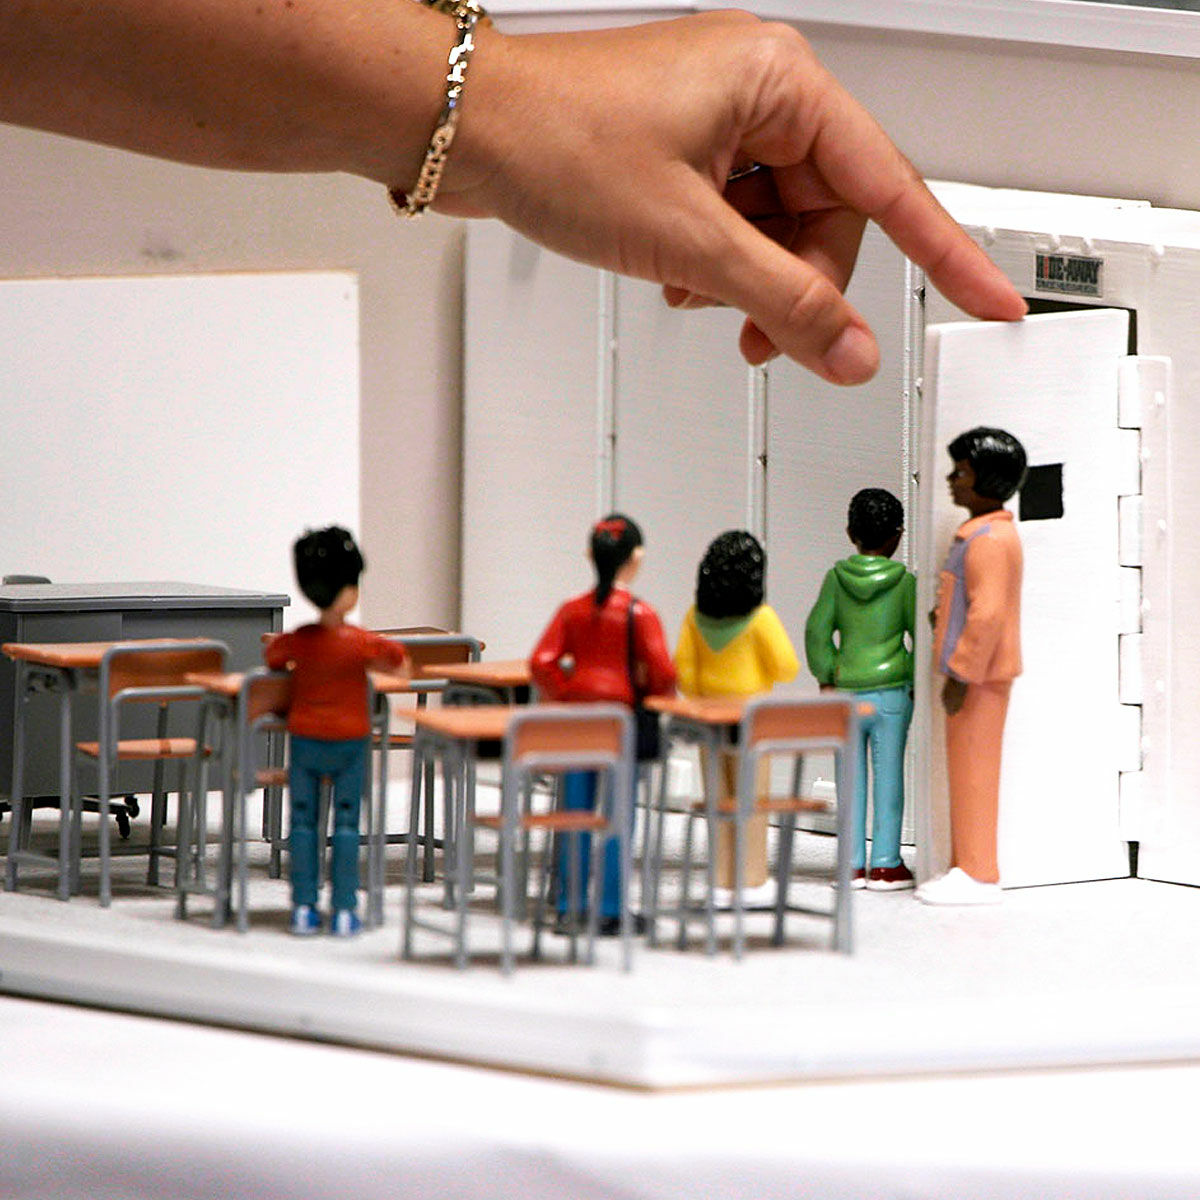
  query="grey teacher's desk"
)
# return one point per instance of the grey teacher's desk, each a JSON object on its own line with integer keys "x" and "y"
{"x": 113, "y": 612}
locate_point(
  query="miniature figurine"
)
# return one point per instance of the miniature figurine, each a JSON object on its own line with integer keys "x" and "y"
{"x": 328, "y": 722}
{"x": 855, "y": 641}
{"x": 732, "y": 644}
{"x": 977, "y": 646}
{"x": 602, "y": 645}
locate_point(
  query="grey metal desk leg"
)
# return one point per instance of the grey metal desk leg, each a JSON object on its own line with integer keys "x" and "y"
{"x": 429, "y": 780}
{"x": 655, "y": 850}
{"x": 712, "y": 794}
{"x": 456, "y": 755}
{"x": 739, "y": 880}
{"x": 783, "y": 874}
{"x": 273, "y": 811}
{"x": 843, "y": 920}
{"x": 16, "y": 794}
{"x": 232, "y": 829}
{"x": 68, "y": 827}
{"x": 105, "y": 831}
{"x": 410, "y": 849}
{"x": 452, "y": 785}
{"x": 378, "y": 839}
{"x": 158, "y": 807}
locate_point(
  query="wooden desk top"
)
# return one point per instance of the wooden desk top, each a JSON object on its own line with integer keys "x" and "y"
{"x": 229, "y": 683}
{"x": 83, "y": 656}
{"x": 707, "y": 710}
{"x": 716, "y": 710}
{"x": 483, "y": 722}
{"x": 496, "y": 673}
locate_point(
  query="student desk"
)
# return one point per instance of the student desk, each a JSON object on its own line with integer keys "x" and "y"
{"x": 114, "y": 612}
{"x": 452, "y": 734}
{"x": 508, "y": 678}
{"x": 712, "y": 723}
{"x": 64, "y": 669}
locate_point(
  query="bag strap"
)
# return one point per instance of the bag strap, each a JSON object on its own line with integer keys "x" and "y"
{"x": 630, "y": 663}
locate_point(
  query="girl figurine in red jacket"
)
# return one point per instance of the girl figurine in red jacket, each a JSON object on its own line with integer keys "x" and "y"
{"x": 585, "y": 654}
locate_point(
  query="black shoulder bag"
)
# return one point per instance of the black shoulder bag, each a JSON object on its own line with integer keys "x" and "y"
{"x": 645, "y": 720}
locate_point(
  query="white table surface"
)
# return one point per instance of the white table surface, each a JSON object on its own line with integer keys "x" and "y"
{"x": 100, "y": 1105}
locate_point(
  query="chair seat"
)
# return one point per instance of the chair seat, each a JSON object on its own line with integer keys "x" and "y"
{"x": 396, "y": 741}
{"x": 767, "y": 804}
{"x": 146, "y": 749}
{"x": 569, "y": 821}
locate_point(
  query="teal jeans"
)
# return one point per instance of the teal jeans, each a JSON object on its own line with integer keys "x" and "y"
{"x": 344, "y": 764}
{"x": 885, "y": 737}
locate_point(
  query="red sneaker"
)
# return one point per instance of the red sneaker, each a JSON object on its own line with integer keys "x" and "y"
{"x": 889, "y": 879}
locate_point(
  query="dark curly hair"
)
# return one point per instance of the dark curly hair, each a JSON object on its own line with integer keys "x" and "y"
{"x": 875, "y": 517}
{"x": 731, "y": 581}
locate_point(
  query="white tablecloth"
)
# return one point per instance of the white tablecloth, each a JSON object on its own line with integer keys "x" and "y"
{"x": 96, "y": 1106}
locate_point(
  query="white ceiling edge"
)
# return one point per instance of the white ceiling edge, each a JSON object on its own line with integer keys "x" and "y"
{"x": 1082, "y": 24}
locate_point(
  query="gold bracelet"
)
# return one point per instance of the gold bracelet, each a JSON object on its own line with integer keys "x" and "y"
{"x": 467, "y": 14}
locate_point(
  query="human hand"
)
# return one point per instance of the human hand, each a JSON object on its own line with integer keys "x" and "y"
{"x": 954, "y": 695}
{"x": 615, "y": 148}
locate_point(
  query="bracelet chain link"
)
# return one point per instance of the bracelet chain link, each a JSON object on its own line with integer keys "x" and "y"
{"x": 467, "y": 15}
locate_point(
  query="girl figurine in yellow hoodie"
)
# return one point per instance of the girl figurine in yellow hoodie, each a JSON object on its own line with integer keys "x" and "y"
{"x": 732, "y": 644}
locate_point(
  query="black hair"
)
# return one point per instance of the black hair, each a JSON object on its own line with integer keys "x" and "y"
{"x": 996, "y": 457}
{"x": 327, "y": 560}
{"x": 614, "y": 539}
{"x": 875, "y": 517}
{"x": 732, "y": 575}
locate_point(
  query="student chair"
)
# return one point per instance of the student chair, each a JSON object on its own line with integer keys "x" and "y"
{"x": 248, "y": 708}
{"x": 122, "y": 810}
{"x": 426, "y": 646}
{"x": 791, "y": 727}
{"x": 139, "y": 673}
{"x": 550, "y": 739}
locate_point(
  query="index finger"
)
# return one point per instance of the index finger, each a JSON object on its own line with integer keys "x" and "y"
{"x": 863, "y": 166}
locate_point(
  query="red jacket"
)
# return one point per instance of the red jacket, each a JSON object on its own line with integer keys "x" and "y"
{"x": 329, "y": 677}
{"x": 595, "y": 644}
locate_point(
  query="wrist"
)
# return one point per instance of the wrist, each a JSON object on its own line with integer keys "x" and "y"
{"x": 467, "y": 17}
{"x": 490, "y": 112}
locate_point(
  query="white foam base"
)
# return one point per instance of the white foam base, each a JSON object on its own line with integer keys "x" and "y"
{"x": 1086, "y": 974}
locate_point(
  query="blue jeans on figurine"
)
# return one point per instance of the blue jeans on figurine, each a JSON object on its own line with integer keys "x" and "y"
{"x": 344, "y": 764}
{"x": 886, "y": 735}
{"x": 579, "y": 793}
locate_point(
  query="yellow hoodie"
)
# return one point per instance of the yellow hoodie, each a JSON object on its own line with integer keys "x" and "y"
{"x": 734, "y": 656}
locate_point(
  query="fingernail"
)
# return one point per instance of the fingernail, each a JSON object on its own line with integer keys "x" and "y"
{"x": 853, "y": 358}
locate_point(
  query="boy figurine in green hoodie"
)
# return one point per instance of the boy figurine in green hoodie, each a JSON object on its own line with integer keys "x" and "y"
{"x": 855, "y": 641}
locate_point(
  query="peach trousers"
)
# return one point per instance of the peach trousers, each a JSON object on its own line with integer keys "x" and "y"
{"x": 974, "y": 736}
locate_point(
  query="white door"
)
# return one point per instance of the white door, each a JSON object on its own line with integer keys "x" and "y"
{"x": 1052, "y": 381}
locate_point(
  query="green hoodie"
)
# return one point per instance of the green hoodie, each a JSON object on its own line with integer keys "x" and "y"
{"x": 870, "y": 603}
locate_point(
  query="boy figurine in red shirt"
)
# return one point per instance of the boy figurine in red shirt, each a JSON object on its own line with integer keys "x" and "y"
{"x": 329, "y": 724}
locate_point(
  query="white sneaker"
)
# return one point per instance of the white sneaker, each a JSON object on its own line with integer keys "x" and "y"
{"x": 759, "y": 897}
{"x": 762, "y": 896}
{"x": 957, "y": 887}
